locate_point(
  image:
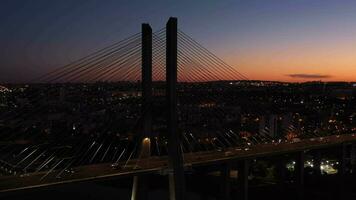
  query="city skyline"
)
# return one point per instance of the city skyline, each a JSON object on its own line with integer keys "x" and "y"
{"x": 275, "y": 40}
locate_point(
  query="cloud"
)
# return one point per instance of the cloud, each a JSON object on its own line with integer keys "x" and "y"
{"x": 309, "y": 76}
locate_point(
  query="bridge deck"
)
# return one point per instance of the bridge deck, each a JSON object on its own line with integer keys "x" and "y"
{"x": 157, "y": 164}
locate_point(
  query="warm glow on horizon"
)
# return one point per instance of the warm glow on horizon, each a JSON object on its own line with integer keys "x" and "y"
{"x": 299, "y": 62}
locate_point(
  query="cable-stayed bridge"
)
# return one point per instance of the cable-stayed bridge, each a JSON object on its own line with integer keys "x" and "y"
{"x": 155, "y": 102}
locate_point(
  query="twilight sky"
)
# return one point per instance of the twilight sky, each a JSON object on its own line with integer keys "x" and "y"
{"x": 286, "y": 40}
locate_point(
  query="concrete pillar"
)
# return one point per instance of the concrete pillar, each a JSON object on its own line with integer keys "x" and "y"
{"x": 317, "y": 162}
{"x": 243, "y": 172}
{"x": 177, "y": 182}
{"x": 343, "y": 159}
{"x": 353, "y": 157}
{"x": 140, "y": 184}
{"x": 140, "y": 188}
{"x": 281, "y": 171}
{"x": 225, "y": 181}
{"x": 299, "y": 173}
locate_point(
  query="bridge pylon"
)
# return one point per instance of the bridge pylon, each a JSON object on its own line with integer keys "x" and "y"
{"x": 140, "y": 184}
{"x": 176, "y": 176}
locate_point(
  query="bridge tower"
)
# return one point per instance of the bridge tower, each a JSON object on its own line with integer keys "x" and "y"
{"x": 176, "y": 172}
{"x": 176, "y": 175}
{"x": 146, "y": 84}
{"x": 140, "y": 184}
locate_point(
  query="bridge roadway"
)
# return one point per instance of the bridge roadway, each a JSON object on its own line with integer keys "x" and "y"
{"x": 160, "y": 164}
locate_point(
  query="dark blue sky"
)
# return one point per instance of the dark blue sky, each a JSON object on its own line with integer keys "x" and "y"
{"x": 264, "y": 39}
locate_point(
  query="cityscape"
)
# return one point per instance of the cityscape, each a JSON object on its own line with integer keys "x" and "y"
{"x": 157, "y": 114}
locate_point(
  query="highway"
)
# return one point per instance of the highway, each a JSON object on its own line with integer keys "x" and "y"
{"x": 160, "y": 164}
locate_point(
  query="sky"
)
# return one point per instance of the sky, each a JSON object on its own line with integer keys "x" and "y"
{"x": 282, "y": 40}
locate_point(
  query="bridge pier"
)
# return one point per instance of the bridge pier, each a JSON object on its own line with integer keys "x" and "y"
{"x": 140, "y": 184}
{"x": 243, "y": 169}
{"x": 225, "y": 181}
{"x": 299, "y": 173}
{"x": 353, "y": 157}
{"x": 176, "y": 177}
{"x": 281, "y": 170}
{"x": 139, "y": 188}
{"x": 317, "y": 162}
{"x": 343, "y": 159}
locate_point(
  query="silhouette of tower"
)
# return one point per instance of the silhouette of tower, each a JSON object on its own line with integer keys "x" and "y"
{"x": 147, "y": 79}
{"x": 176, "y": 177}
{"x": 139, "y": 188}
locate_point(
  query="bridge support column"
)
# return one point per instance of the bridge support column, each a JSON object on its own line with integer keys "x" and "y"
{"x": 343, "y": 159}
{"x": 353, "y": 157}
{"x": 317, "y": 162}
{"x": 139, "y": 188}
{"x": 140, "y": 184}
{"x": 176, "y": 178}
{"x": 225, "y": 181}
{"x": 299, "y": 173}
{"x": 281, "y": 171}
{"x": 242, "y": 176}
